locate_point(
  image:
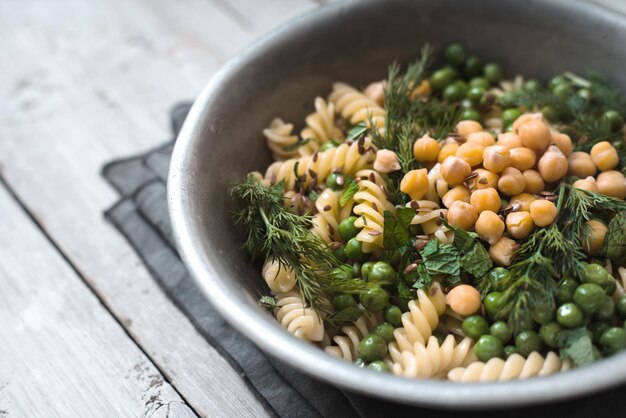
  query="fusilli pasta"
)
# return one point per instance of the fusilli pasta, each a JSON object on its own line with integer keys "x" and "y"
{"x": 347, "y": 342}
{"x": 320, "y": 127}
{"x": 278, "y": 278}
{"x": 326, "y": 220}
{"x": 355, "y": 106}
{"x": 371, "y": 203}
{"x": 297, "y": 318}
{"x": 280, "y": 139}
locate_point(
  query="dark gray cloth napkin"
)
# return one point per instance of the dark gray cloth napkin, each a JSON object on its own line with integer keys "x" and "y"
{"x": 141, "y": 216}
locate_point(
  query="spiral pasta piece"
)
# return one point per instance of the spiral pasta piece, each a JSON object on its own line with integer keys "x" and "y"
{"x": 355, "y": 106}
{"x": 320, "y": 127}
{"x": 515, "y": 367}
{"x": 421, "y": 319}
{"x": 278, "y": 278}
{"x": 280, "y": 139}
{"x": 345, "y": 344}
{"x": 431, "y": 359}
{"x": 347, "y": 158}
{"x": 371, "y": 204}
{"x": 300, "y": 320}
{"x": 326, "y": 220}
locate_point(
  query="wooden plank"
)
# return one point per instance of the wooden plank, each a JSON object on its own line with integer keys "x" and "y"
{"x": 62, "y": 354}
{"x": 85, "y": 82}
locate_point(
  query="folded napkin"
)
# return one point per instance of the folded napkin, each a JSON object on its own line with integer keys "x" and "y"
{"x": 141, "y": 216}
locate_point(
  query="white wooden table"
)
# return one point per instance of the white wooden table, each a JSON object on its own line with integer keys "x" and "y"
{"x": 84, "y": 329}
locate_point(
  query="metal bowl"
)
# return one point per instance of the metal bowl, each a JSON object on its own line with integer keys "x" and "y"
{"x": 355, "y": 41}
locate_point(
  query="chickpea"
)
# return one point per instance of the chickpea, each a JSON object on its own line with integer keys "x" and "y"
{"x": 543, "y": 212}
{"x": 447, "y": 151}
{"x": 489, "y": 226}
{"x": 581, "y": 165}
{"x": 464, "y": 300}
{"x": 510, "y": 140}
{"x": 462, "y": 215}
{"x": 458, "y": 193}
{"x": 511, "y": 182}
{"x": 386, "y": 161}
{"x": 496, "y": 158}
{"x": 519, "y": 224}
{"x": 415, "y": 183}
{"x": 594, "y": 241}
{"x": 612, "y": 183}
{"x": 523, "y": 158}
{"x": 526, "y": 117}
{"x": 524, "y": 199}
{"x": 466, "y": 127}
{"x": 481, "y": 138}
{"x": 486, "y": 199}
{"x": 534, "y": 181}
{"x": 376, "y": 92}
{"x": 563, "y": 142}
{"x": 604, "y": 156}
{"x": 501, "y": 252}
{"x": 484, "y": 179}
{"x": 471, "y": 153}
{"x": 425, "y": 149}
{"x": 535, "y": 135}
{"x": 552, "y": 164}
{"x": 454, "y": 170}
{"x": 588, "y": 184}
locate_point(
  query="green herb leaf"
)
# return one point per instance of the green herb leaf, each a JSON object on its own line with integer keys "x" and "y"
{"x": 476, "y": 261}
{"x": 615, "y": 242}
{"x": 577, "y": 345}
{"x": 464, "y": 240}
{"x": 349, "y": 314}
{"x": 313, "y": 195}
{"x": 404, "y": 295}
{"x": 396, "y": 230}
{"x": 357, "y": 131}
{"x": 268, "y": 302}
{"x": 424, "y": 280}
{"x": 297, "y": 145}
{"x": 349, "y": 191}
{"x": 441, "y": 259}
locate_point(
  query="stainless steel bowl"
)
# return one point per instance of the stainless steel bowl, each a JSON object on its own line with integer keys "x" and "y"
{"x": 355, "y": 41}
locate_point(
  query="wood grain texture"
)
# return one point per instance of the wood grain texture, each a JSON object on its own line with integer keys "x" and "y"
{"x": 86, "y": 82}
{"x": 62, "y": 354}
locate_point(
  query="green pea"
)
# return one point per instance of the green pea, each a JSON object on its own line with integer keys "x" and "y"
{"x": 556, "y": 81}
{"x": 542, "y": 314}
{"x": 354, "y": 250}
{"x": 356, "y": 269}
{"x": 366, "y": 269}
{"x": 360, "y": 363}
{"x": 597, "y": 329}
{"x": 501, "y": 330}
{"x": 379, "y": 366}
{"x": 455, "y": 54}
{"x": 566, "y": 290}
{"x": 455, "y": 91}
{"x": 471, "y": 114}
{"x": 550, "y": 113}
{"x": 507, "y": 100}
{"x": 475, "y": 326}
{"x": 563, "y": 90}
{"x": 343, "y": 301}
{"x": 532, "y": 84}
{"x": 509, "y": 350}
{"x": 621, "y": 307}
{"x": 374, "y": 299}
{"x": 527, "y": 342}
{"x": 443, "y": 77}
{"x": 492, "y": 303}
{"x": 569, "y": 315}
{"x": 595, "y": 273}
{"x": 393, "y": 315}
{"x": 589, "y": 297}
{"x": 372, "y": 348}
{"x": 488, "y": 347}
{"x": 613, "y": 340}
{"x": 493, "y": 72}
{"x": 510, "y": 115}
{"x": 347, "y": 229}
{"x": 480, "y": 82}
{"x": 548, "y": 333}
{"x": 474, "y": 94}
{"x": 340, "y": 253}
{"x": 473, "y": 66}
{"x": 611, "y": 286}
{"x": 382, "y": 271}
{"x": 335, "y": 181}
{"x": 344, "y": 272}
{"x": 410, "y": 278}
{"x": 607, "y": 310}
{"x": 614, "y": 119}
{"x": 584, "y": 94}
{"x": 385, "y": 331}
{"x": 498, "y": 277}
{"x": 467, "y": 104}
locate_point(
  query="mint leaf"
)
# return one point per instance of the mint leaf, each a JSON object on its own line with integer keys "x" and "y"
{"x": 404, "y": 295}
{"x": 577, "y": 345}
{"x": 357, "y": 131}
{"x": 424, "y": 280}
{"x": 396, "y": 230}
{"x": 349, "y": 191}
{"x": 442, "y": 259}
{"x": 268, "y": 302}
{"x": 476, "y": 261}
{"x": 349, "y": 314}
{"x": 615, "y": 241}
{"x": 464, "y": 240}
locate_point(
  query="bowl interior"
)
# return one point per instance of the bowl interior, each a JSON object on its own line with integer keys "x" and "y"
{"x": 355, "y": 42}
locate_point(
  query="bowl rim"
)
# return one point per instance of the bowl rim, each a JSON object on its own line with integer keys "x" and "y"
{"x": 272, "y": 339}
